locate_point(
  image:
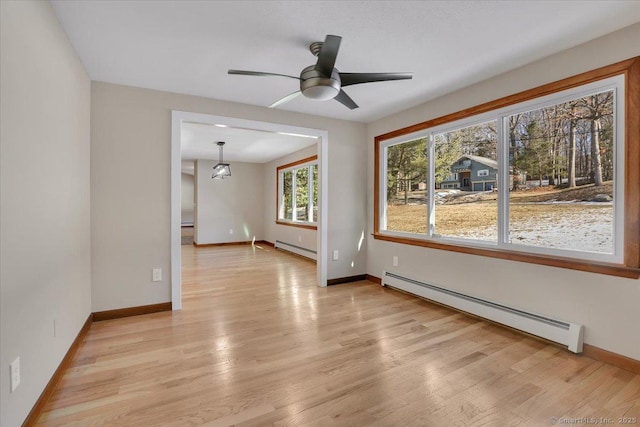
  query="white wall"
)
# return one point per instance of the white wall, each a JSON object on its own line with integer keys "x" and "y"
{"x": 44, "y": 204}
{"x": 131, "y": 188}
{"x": 293, "y": 235}
{"x": 235, "y": 203}
{"x": 607, "y": 306}
{"x": 187, "y": 198}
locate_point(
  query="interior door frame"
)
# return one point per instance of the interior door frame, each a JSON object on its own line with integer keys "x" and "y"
{"x": 177, "y": 118}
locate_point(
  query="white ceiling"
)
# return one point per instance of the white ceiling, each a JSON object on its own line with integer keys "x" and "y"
{"x": 198, "y": 141}
{"x": 188, "y": 46}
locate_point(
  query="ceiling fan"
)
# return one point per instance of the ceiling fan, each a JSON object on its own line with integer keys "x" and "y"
{"x": 322, "y": 81}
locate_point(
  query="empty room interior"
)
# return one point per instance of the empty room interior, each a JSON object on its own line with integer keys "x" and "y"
{"x": 327, "y": 213}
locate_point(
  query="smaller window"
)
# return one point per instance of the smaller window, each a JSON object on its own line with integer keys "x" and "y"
{"x": 483, "y": 172}
{"x": 298, "y": 193}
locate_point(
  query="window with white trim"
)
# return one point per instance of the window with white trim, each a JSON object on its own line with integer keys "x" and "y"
{"x": 298, "y": 193}
{"x": 564, "y": 158}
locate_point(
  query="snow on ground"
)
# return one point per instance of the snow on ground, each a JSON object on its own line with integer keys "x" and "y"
{"x": 589, "y": 229}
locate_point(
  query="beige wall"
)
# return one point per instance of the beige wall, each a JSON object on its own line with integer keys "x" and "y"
{"x": 293, "y": 235}
{"x": 607, "y": 306}
{"x": 130, "y": 187}
{"x": 187, "y": 198}
{"x": 235, "y": 203}
{"x": 44, "y": 204}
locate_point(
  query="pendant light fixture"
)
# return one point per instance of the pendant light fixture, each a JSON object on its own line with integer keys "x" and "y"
{"x": 221, "y": 170}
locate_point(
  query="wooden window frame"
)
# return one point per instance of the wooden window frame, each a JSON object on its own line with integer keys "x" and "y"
{"x": 300, "y": 224}
{"x": 630, "y": 267}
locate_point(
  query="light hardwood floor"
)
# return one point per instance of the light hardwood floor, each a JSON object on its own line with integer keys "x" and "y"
{"x": 257, "y": 343}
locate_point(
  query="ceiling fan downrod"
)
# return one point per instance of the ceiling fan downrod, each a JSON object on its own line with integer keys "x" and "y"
{"x": 315, "y": 48}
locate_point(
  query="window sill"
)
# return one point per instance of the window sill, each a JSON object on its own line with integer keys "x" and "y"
{"x": 308, "y": 226}
{"x": 569, "y": 263}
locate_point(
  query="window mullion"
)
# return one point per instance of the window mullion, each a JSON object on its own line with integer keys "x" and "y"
{"x": 310, "y": 193}
{"x": 431, "y": 186}
{"x": 383, "y": 188}
{"x": 280, "y": 195}
{"x": 294, "y": 204}
{"x": 503, "y": 180}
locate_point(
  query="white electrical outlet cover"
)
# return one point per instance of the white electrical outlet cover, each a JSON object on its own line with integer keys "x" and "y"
{"x": 15, "y": 374}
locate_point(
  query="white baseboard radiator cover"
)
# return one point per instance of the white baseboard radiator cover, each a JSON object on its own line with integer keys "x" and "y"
{"x": 299, "y": 250}
{"x": 565, "y": 333}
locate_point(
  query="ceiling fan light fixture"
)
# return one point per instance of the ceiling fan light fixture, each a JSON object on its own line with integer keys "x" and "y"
{"x": 314, "y": 85}
{"x": 320, "y": 93}
{"x": 221, "y": 170}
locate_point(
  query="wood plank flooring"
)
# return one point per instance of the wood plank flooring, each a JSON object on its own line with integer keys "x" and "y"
{"x": 258, "y": 344}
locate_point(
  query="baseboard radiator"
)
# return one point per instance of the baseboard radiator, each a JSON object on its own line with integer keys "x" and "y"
{"x": 565, "y": 333}
{"x": 299, "y": 250}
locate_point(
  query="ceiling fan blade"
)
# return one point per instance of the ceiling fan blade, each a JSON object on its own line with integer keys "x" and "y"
{"x": 345, "y": 100}
{"x": 286, "y": 99}
{"x": 259, "y": 73}
{"x": 349, "y": 79}
{"x": 328, "y": 54}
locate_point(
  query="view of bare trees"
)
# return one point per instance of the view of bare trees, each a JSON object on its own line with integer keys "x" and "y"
{"x": 567, "y": 143}
{"x": 561, "y": 172}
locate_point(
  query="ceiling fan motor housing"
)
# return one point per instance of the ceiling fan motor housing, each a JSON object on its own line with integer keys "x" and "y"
{"x": 314, "y": 85}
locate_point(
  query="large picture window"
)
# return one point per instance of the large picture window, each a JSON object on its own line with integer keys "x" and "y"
{"x": 548, "y": 176}
{"x": 298, "y": 193}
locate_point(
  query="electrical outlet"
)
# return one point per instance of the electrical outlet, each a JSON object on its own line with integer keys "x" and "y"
{"x": 395, "y": 261}
{"x": 157, "y": 275}
{"x": 336, "y": 255}
{"x": 231, "y": 231}
{"x": 15, "y": 374}
{"x": 299, "y": 238}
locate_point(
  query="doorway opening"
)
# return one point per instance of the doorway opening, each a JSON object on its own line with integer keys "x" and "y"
{"x": 180, "y": 121}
